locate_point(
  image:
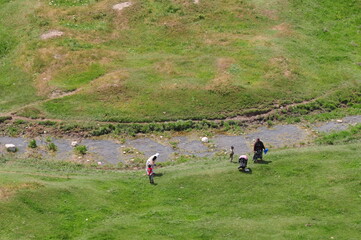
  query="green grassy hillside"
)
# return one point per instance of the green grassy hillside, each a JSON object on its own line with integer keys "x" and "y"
{"x": 309, "y": 193}
{"x": 173, "y": 59}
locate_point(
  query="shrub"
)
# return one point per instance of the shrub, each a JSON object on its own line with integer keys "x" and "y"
{"x": 3, "y": 119}
{"x": 47, "y": 123}
{"x": 81, "y": 149}
{"x": 32, "y": 144}
{"x": 19, "y": 121}
{"x": 52, "y": 147}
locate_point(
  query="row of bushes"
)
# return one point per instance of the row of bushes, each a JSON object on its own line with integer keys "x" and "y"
{"x": 178, "y": 126}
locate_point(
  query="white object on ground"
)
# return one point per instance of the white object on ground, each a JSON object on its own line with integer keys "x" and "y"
{"x": 205, "y": 139}
{"x": 339, "y": 121}
{"x": 196, "y": 1}
{"x": 99, "y": 163}
{"x": 10, "y": 147}
{"x": 52, "y": 34}
{"x": 74, "y": 143}
{"x": 121, "y": 6}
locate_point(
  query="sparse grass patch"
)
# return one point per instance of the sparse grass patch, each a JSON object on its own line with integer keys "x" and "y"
{"x": 80, "y": 149}
{"x": 32, "y": 144}
{"x": 353, "y": 134}
{"x": 72, "y": 80}
{"x": 52, "y": 147}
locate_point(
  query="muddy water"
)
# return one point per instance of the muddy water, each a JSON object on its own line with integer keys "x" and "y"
{"x": 112, "y": 152}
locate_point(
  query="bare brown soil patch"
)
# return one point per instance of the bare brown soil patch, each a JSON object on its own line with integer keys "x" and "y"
{"x": 51, "y": 34}
{"x": 109, "y": 83}
{"x": 121, "y": 6}
{"x": 223, "y": 82}
{"x": 271, "y": 14}
{"x": 222, "y": 39}
{"x": 280, "y": 65}
{"x": 284, "y": 29}
{"x": 9, "y": 190}
{"x": 223, "y": 64}
{"x": 165, "y": 67}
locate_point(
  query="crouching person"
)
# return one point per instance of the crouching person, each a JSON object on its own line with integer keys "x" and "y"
{"x": 242, "y": 160}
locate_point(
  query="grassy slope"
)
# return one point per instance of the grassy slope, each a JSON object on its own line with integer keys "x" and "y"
{"x": 174, "y": 59}
{"x": 309, "y": 193}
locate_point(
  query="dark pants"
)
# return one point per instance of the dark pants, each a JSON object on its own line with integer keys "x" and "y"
{"x": 257, "y": 155}
{"x": 151, "y": 178}
{"x": 242, "y": 163}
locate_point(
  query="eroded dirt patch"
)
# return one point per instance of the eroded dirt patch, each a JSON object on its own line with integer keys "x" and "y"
{"x": 121, "y": 6}
{"x": 51, "y": 34}
{"x": 9, "y": 190}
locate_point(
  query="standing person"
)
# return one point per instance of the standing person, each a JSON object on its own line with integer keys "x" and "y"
{"x": 258, "y": 150}
{"x": 151, "y": 161}
{"x": 150, "y": 174}
{"x": 231, "y": 154}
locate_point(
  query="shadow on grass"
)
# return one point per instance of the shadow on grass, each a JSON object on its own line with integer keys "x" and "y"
{"x": 246, "y": 171}
{"x": 262, "y": 162}
{"x": 158, "y": 174}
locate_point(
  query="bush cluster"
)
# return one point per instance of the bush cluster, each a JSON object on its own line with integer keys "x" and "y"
{"x": 132, "y": 129}
{"x": 5, "y": 118}
{"x": 81, "y": 149}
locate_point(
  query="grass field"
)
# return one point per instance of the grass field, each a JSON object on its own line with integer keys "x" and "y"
{"x": 167, "y": 60}
{"x": 308, "y": 193}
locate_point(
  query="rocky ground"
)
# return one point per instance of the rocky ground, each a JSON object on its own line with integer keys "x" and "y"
{"x": 170, "y": 148}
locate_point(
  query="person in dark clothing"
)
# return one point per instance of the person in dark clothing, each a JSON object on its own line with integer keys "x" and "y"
{"x": 242, "y": 160}
{"x": 258, "y": 150}
{"x": 231, "y": 154}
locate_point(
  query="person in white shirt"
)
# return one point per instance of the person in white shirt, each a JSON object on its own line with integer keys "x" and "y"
{"x": 151, "y": 161}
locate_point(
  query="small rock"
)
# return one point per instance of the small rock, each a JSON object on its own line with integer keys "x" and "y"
{"x": 45, "y": 132}
{"x": 205, "y": 139}
{"x": 74, "y": 143}
{"x": 121, "y": 6}
{"x": 339, "y": 121}
{"x": 10, "y": 147}
{"x": 52, "y": 34}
